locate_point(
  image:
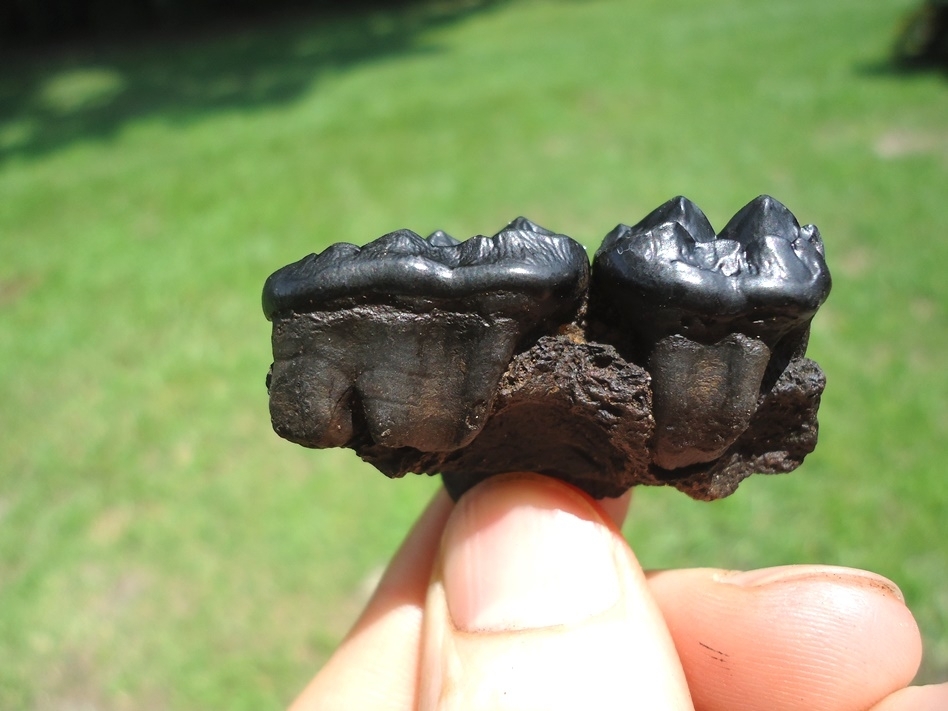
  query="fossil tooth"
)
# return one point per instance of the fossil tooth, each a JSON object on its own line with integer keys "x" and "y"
{"x": 402, "y": 342}
{"x": 707, "y": 314}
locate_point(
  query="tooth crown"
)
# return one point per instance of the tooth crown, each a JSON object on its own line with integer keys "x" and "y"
{"x": 473, "y": 358}
{"x": 764, "y": 275}
{"x": 523, "y": 272}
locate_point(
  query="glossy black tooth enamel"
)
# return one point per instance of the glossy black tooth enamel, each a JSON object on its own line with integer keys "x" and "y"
{"x": 681, "y": 295}
{"x": 404, "y": 340}
{"x": 785, "y": 262}
{"x": 764, "y": 276}
{"x": 530, "y": 274}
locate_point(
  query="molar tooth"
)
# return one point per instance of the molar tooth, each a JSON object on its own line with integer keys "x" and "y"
{"x": 707, "y": 314}
{"x": 404, "y": 341}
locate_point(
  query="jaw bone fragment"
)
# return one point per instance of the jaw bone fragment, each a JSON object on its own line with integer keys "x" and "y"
{"x": 468, "y": 359}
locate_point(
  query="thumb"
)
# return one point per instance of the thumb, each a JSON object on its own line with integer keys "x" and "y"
{"x": 537, "y": 602}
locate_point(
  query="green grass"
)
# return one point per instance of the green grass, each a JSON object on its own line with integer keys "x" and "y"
{"x": 160, "y": 548}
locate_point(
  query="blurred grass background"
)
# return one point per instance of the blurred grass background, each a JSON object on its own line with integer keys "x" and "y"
{"x": 161, "y": 548}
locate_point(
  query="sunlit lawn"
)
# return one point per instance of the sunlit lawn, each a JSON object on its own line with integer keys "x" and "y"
{"x": 160, "y": 548}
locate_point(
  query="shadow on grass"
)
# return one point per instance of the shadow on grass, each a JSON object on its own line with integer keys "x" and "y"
{"x": 55, "y": 97}
{"x": 894, "y": 69}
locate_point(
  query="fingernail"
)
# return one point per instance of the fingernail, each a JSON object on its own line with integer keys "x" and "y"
{"x": 525, "y": 552}
{"x": 828, "y": 573}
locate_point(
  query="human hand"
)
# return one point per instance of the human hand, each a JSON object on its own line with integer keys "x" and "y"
{"x": 525, "y": 596}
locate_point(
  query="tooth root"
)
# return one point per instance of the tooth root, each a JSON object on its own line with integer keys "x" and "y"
{"x": 704, "y": 396}
{"x": 310, "y": 402}
{"x": 427, "y": 382}
{"x": 422, "y": 380}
